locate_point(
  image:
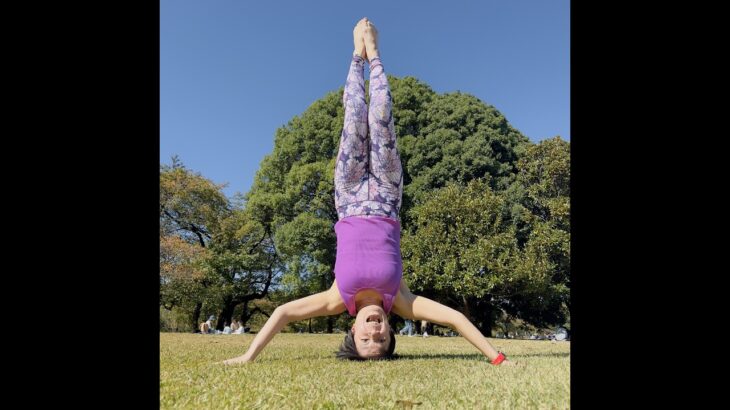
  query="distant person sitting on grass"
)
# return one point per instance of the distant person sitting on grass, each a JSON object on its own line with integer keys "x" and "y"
{"x": 368, "y": 267}
{"x": 207, "y": 326}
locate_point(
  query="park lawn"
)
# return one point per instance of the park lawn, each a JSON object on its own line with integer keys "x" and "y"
{"x": 300, "y": 371}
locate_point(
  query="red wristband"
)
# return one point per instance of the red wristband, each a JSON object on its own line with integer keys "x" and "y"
{"x": 499, "y": 359}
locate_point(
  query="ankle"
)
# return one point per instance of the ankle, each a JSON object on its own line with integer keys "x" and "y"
{"x": 373, "y": 54}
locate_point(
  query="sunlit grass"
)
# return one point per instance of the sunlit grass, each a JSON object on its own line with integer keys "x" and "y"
{"x": 300, "y": 371}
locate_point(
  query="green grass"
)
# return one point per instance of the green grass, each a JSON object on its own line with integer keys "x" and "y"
{"x": 300, "y": 371}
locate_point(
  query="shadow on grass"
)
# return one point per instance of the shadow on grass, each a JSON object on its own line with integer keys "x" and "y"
{"x": 418, "y": 356}
{"x": 422, "y": 356}
{"x": 475, "y": 356}
{"x": 558, "y": 355}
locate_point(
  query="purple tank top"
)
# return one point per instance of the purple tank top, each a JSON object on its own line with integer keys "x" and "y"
{"x": 368, "y": 257}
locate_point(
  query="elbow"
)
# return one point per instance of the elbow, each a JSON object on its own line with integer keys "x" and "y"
{"x": 457, "y": 319}
{"x": 280, "y": 312}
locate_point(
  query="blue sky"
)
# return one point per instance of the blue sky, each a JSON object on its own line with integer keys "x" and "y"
{"x": 232, "y": 72}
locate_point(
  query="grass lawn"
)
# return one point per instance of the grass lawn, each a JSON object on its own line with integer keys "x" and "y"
{"x": 300, "y": 371}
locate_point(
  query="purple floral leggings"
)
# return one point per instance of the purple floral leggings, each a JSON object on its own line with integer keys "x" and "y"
{"x": 368, "y": 174}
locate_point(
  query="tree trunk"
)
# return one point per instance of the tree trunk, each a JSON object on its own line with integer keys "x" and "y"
{"x": 196, "y": 316}
{"x": 226, "y": 313}
{"x": 248, "y": 314}
{"x": 486, "y": 318}
{"x": 245, "y": 315}
{"x": 480, "y": 314}
{"x": 330, "y": 324}
{"x": 467, "y": 311}
{"x": 310, "y": 325}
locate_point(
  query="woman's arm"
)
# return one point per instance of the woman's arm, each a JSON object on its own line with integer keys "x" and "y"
{"x": 410, "y": 306}
{"x": 324, "y": 303}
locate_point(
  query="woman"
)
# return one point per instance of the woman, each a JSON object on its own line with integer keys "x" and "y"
{"x": 368, "y": 193}
{"x": 207, "y": 326}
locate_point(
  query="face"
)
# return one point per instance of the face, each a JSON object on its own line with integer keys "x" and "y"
{"x": 371, "y": 331}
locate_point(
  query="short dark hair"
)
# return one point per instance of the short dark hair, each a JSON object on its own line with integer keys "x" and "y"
{"x": 348, "y": 350}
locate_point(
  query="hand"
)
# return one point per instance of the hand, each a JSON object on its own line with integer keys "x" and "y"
{"x": 506, "y": 362}
{"x": 238, "y": 360}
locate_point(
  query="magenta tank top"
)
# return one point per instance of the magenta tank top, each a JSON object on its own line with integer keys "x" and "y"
{"x": 368, "y": 257}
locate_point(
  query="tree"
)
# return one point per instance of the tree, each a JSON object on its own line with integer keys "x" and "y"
{"x": 293, "y": 195}
{"x": 307, "y": 245}
{"x": 293, "y": 191}
{"x": 463, "y": 245}
{"x": 181, "y": 275}
{"x": 485, "y": 213}
{"x": 244, "y": 263}
{"x": 190, "y": 207}
{"x": 459, "y": 139}
{"x": 212, "y": 252}
{"x": 539, "y": 202}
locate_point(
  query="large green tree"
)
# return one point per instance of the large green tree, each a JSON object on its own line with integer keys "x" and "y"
{"x": 442, "y": 138}
{"x": 539, "y": 202}
{"x": 462, "y": 249}
{"x": 498, "y": 252}
{"x": 459, "y": 138}
{"x": 504, "y": 248}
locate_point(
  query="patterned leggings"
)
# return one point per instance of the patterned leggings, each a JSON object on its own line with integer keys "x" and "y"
{"x": 368, "y": 174}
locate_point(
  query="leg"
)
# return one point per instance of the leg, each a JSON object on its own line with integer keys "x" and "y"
{"x": 351, "y": 172}
{"x": 386, "y": 186}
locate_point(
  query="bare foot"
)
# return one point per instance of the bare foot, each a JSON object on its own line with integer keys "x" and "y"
{"x": 357, "y": 36}
{"x": 370, "y": 37}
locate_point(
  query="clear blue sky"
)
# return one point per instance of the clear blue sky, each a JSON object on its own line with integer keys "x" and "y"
{"x": 232, "y": 72}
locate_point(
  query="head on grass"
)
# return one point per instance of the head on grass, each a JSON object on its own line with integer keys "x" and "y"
{"x": 370, "y": 337}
